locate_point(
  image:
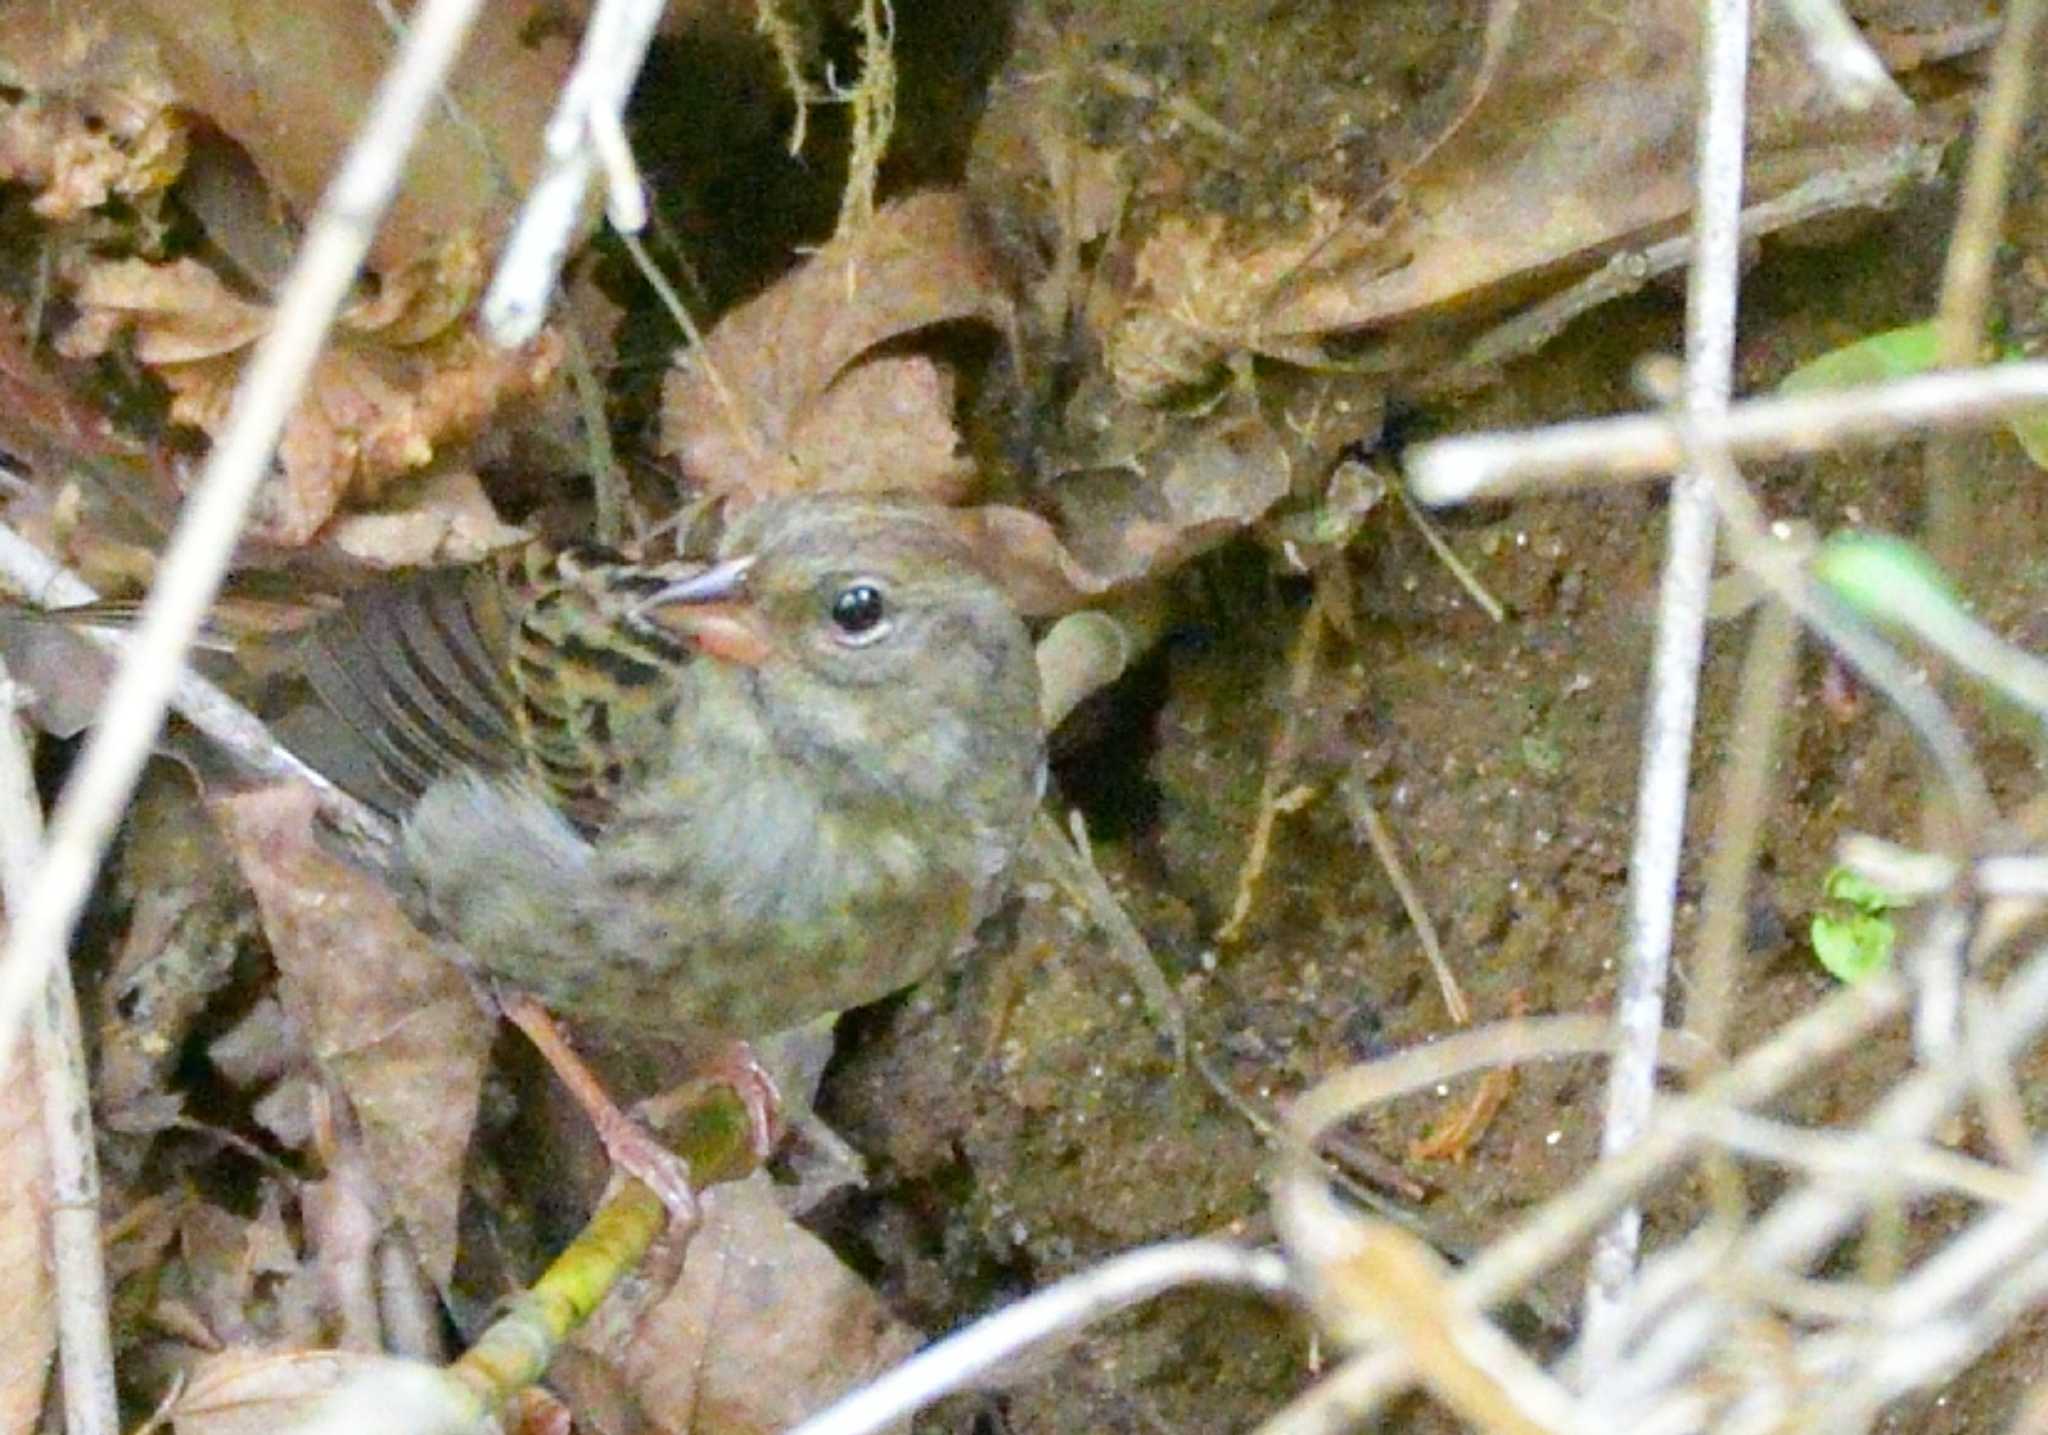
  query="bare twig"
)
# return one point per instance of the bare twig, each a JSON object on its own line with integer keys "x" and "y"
{"x": 1724, "y": 912}
{"x": 1681, "y": 634}
{"x": 586, "y": 133}
{"x": 230, "y": 726}
{"x": 1302, "y": 660}
{"x": 1640, "y": 446}
{"x": 1966, "y": 271}
{"x": 1073, "y": 867}
{"x": 743, "y": 424}
{"x": 198, "y": 555}
{"x": 1503, "y": 1043}
{"x": 1353, "y": 1392}
{"x": 1842, "y": 56}
{"x": 84, "y": 1338}
{"x": 1867, "y": 186}
{"x": 1365, "y": 817}
{"x": 1448, "y": 556}
{"x": 961, "y": 1359}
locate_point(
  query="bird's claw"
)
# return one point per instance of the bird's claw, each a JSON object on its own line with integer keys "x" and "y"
{"x": 637, "y": 1152}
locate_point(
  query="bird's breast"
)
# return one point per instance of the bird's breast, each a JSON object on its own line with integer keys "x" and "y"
{"x": 756, "y": 904}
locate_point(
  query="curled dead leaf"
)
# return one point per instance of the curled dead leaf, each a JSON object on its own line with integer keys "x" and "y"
{"x": 179, "y": 312}
{"x": 764, "y": 1327}
{"x": 388, "y": 1014}
{"x": 372, "y": 411}
{"x": 447, "y": 519}
{"x": 1201, "y": 484}
{"x": 756, "y": 414}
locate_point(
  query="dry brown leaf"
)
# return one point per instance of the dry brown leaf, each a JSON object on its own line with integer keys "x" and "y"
{"x": 372, "y": 412}
{"x": 764, "y": 1327}
{"x": 448, "y": 519}
{"x": 246, "y": 67}
{"x": 1201, "y": 484}
{"x": 1616, "y": 96}
{"x": 28, "y": 1319}
{"x": 921, "y": 262}
{"x": 370, "y": 415}
{"x": 1574, "y": 143}
{"x": 180, "y": 312}
{"x": 886, "y": 420}
{"x": 260, "y": 1392}
{"x": 387, "y": 1012}
{"x": 94, "y": 120}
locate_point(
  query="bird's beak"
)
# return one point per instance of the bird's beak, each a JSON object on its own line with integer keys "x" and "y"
{"x": 708, "y": 609}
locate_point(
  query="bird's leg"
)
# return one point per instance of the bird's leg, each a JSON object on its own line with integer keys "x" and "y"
{"x": 632, "y": 1147}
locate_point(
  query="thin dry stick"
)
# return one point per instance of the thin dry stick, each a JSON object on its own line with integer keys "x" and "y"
{"x": 1073, "y": 867}
{"x": 227, "y": 724}
{"x": 1767, "y": 675}
{"x": 1681, "y": 636}
{"x": 1074, "y": 1303}
{"x": 1841, "y": 55}
{"x": 1448, "y": 556}
{"x": 608, "y": 487}
{"x": 1640, "y": 446}
{"x": 1966, "y": 270}
{"x": 585, "y": 133}
{"x": 1301, "y": 672}
{"x": 1358, "y": 805}
{"x": 743, "y": 426}
{"x": 83, "y": 1331}
{"x": 1503, "y": 1043}
{"x": 1868, "y": 186}
{"x": 1355, "y": 1390}
{"x": 204, "y": 540}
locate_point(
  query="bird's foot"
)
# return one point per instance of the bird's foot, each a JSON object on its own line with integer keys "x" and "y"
{"x": 637, "y": 1152}
{"x": 734, "y": 1067}
{"x": 739, "y": 1068}
{"x": 633, "y": 1148}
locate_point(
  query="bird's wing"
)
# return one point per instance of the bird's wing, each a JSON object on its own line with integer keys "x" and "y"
{"x": 536, "y": 663}
{"x": 411, "y": 683}
{"x": 597, "y": 686}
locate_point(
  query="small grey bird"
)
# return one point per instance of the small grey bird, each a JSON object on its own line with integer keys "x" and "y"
{"x": 699, "y": 799}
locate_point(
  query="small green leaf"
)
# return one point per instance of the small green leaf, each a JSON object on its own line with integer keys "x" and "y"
{"x": 1900, "y": 354}
{"x": 1855, "y": 947}
{"x": 1888, "y": 579}
{"x": 2030, "y": 428}
{"x": 1855, "y": 890}
{"x": 1893, "y": 354}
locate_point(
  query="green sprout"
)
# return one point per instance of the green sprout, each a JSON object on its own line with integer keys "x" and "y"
{"x": 1853, "y": 937}
{"x": 1900, "y": 354}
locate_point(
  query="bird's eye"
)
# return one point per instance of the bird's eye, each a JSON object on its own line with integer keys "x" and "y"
{"x": 859, "y": 612}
